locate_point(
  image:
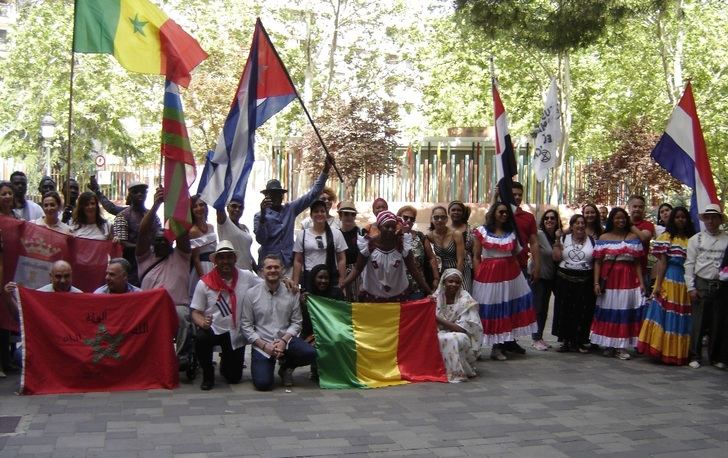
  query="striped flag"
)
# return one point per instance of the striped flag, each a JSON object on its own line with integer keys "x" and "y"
{"x": 682, "y": 152}
{"x": 179, "y": 165}
{"x": 264, "y": 89}
{"x": 371, "y": 345}
{"x": 505, "y": 159}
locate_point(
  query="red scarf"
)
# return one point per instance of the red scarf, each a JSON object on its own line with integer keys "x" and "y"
{"x": 215, "y": 282}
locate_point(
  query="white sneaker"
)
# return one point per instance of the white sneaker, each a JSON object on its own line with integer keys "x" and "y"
{"x": 2, "y": 374}
{"x": 694, "y": 364}
{"x": 623, "y": 355}
{"x": 719, "y": 365}
{"x": 539, "y": 345}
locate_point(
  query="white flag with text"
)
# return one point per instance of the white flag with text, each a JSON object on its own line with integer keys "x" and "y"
{"x": 548, "y": 134}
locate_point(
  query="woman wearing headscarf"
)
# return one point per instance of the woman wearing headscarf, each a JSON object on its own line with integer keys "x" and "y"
{"x": 459, "y": 214}
{"x": 384, "y": 261}
{"x": 665, "y": 332}
{"x": 459, "y": 328}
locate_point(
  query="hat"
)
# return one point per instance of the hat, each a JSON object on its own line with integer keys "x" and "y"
{"x": 223, "y": 246}
{"x": 347, "y": 206}
{"x": 136, "y": 184}
{"x": 712, "y": 209}
{"x": 386, "y": 216}
{"x": 273, "y": 186}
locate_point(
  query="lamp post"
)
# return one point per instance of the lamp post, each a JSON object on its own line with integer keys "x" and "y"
{"x": 47, "y": 131}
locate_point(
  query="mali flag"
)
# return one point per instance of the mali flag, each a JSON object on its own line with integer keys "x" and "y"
{"x": 141, "y": 37}
{"x": 370, "y": 345}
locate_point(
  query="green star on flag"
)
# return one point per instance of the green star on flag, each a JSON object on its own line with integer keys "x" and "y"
{"x": 138, "y": 25}
{"x": 105, "y": 344}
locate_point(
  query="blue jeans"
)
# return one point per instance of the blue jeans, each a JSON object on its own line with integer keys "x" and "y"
{"x": 298, "y": 353}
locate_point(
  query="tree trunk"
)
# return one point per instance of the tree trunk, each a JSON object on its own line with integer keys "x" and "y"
{"x": 564, "y": 77}
{"x": 309, "y": 70}
{"x": 350, "y": 187}
{"x": 334, "y": 44}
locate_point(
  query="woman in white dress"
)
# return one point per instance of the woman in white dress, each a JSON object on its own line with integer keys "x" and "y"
{"x": 202, "y": 241}
{"x": 87, "y": 220}
{"x": 460, "y": 330}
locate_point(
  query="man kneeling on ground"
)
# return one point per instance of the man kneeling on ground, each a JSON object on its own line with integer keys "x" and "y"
{"x": 271, "y": 322}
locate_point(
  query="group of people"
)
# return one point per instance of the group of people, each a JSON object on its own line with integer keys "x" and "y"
{"x": 492, "y": 283}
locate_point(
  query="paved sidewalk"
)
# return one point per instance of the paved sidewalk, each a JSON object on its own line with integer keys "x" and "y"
{"x": 544, "y": 404}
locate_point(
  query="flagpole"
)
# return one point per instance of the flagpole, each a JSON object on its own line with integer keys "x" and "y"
{"x": 300, "y": 100}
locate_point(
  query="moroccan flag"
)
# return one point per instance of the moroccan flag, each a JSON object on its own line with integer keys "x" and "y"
{"x": 682, "y": 152}
{"x": 179, "y": 165}
{"x": 141, "y": 37}
{"x": 75, "y": 343}
{"x": 370, "y": 345}
{"x": 265, "y": 88}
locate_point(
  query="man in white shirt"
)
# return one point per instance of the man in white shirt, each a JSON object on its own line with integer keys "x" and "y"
{"x": 271, "y": 322}
{"x": 24, "y": 209}
{"x": 230, "y": 228}
{"x": 702, "y": 264}
{"x": 217, "y": 310}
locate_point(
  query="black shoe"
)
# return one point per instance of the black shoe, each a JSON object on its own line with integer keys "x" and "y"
{"x": 207, "y": 385}
{"x": 564, "y": 348}
{"x": 513, "y": 347}
{"x": 286, "y": 375}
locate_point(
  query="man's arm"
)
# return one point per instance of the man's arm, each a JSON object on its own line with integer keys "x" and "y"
{"x": 221, "y": 217}
{"x": 307, "y": 199}
{"x": 689, "y": 265}
{"x": 259, "y": 228}
{"x": 644, "y": 235}
{"x": 144, "y": 242}
{"x": 294, "y": 328}
{"x": 108, "y": 205}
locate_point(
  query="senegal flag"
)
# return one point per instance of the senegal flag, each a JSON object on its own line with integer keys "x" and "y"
{"x": 141, "y": 37}
{"x": 370, "y": 345}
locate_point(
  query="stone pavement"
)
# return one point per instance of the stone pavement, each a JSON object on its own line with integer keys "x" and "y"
{"x": 544, "y": 404}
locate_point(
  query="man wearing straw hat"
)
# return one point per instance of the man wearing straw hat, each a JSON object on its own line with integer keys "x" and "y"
{"x": 217, "y": 310}
{"x": 702, "y": 264}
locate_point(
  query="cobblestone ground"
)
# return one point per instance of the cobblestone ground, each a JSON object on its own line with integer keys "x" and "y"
{"x": 543, "y": 404}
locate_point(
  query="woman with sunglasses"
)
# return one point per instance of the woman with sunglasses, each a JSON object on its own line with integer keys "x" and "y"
{"x": 384, "y": 261}
{"x": 549, "y": 230}
{"x": 447, "y": 244}
{"x": 619, "y": 287}
{"x": 665, "y": 333}
{"x": 499, "y": 286}
{"x": 424, "y": 257}
{"x": 319, "y": 244}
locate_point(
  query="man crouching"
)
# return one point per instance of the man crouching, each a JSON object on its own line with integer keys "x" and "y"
{"x": 271, "y": 321}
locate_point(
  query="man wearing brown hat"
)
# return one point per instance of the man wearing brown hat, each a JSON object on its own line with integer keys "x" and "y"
{"x": 126, "y": 225}
{"x": 274, "y": 224}
{"x": 704, "y": 256}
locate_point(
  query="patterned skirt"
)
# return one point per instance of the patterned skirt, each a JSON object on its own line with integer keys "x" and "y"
{"x": 619, "y": 309}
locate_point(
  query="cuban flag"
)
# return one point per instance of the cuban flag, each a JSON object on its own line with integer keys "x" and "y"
{"x": 265, "y": 88}
{"x": 682, "y": 152}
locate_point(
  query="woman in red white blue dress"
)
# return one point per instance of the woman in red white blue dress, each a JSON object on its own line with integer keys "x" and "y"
{"x": 620, "y": 306}
{"x": 499, "y": 287}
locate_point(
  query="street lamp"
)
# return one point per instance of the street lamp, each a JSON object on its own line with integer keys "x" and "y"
{"x": 47, "y": 131}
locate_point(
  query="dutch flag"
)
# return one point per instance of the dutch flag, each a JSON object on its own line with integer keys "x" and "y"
{"x": 682, "y": 152}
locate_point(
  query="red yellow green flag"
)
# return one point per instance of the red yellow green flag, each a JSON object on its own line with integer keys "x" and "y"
{"x": 371, "y": 345}
{"x": 141, "y": 37}
{"x": 179, "y": 164}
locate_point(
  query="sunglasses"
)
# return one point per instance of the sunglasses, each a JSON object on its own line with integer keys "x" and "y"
{"x": 439, "y": 217}
{"x": 408, "y": 218}
{"x": 320, "y": 242}
{"x": 551, "y": 218}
